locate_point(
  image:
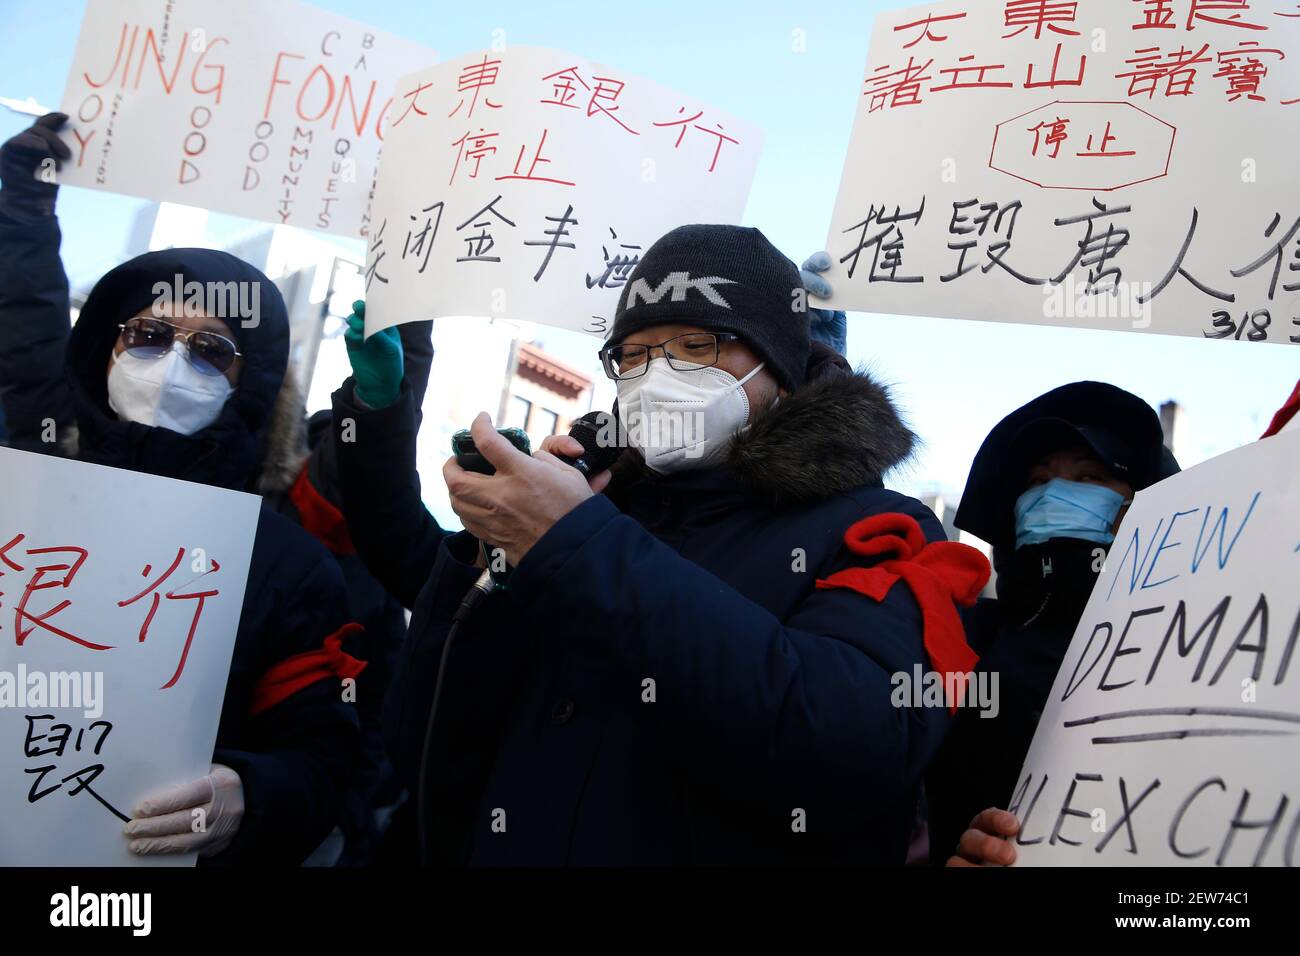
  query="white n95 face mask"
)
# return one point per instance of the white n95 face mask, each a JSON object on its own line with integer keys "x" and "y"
{"x": 683, "y": 419}
{"x": 166, "y": 392}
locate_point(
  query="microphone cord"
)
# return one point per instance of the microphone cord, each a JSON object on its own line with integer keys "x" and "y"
{"x": 473, "y": 598}
{"x": 593, "y": 459}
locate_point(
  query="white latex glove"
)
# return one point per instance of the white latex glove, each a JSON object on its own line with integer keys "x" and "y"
{"x": 202, "y": 815}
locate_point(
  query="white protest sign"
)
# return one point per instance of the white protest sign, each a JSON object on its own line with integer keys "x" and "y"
{"x": 526, "y": 183}
{"x": 1172, "y": 732}
{"x": 1107, "y": 164}
{"x": 269, "y": 109}
{"x": 121, "y": 595}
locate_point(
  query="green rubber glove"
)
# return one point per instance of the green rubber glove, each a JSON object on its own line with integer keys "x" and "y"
{"x": 376, "y": 361}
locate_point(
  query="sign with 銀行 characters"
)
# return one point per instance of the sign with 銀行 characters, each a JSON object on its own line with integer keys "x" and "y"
{"x": 120, "y": 599}
{"x": 526, "y": 183}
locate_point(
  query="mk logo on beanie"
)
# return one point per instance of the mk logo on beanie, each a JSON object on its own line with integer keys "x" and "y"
{"x": 721, "y": 279}
{"x": 680, "y": 283}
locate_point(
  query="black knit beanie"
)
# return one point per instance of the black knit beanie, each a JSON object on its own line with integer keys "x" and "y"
{"x": 723, "y": 279}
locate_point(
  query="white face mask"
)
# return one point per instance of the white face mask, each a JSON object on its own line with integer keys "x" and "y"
{"x": 166, "y": 392}
{"x": 683, "y": 419}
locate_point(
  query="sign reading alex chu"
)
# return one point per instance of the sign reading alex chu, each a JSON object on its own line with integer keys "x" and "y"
{"x": 1172, "y": 732}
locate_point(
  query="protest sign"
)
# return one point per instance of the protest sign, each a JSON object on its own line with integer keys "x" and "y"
{"x": 269, "y": 110}
{"x": 1172, "y": 732}
{"x": 526, "y": 183}
{"x": 1115, "y": 165}
{"x": 120, "y": 596}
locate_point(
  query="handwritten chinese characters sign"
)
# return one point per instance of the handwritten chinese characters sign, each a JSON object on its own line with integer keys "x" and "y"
{"x": 269, "y": 110}
{"x": 1172, "y": 733}
{"x": 120, "y": 596}
{"x": 527, "y": 183}
{"x": 1116, "y": 164}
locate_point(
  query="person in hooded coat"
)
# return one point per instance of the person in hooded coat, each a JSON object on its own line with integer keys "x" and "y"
{"x": 693, "y": 667}
{"x": 1047, "y": 489}
{"x": 287, "y": 743}
{"x": 314, "y": 501}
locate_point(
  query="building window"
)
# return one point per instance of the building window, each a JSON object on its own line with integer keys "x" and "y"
{"x": 518, "y": 412}
{"x": 547, "y": 422}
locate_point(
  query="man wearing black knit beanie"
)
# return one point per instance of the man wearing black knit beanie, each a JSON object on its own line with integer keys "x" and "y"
{"x": 697, "y": 657}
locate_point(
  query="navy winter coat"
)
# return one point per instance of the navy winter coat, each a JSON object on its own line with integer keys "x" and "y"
{"x": 662, "y": 683}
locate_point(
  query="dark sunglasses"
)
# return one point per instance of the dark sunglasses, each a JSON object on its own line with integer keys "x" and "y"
{"x": 208, "y": 352}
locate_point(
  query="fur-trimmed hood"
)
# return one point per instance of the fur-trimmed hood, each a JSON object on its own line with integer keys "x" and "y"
{"x": 839, "y": 431}
{"x": 284, "y": 448}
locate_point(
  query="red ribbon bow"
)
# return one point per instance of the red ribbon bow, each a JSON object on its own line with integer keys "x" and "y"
{"x": 302, "y": 670}
{"x": 941, "y": 575}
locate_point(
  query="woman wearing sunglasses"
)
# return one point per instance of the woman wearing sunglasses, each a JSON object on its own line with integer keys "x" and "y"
{"x": 158, "y": 386}
{"x": 170, "y": 374}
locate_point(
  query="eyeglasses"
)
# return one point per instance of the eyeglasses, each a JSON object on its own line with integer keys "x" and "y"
{"x": 208, "y": 352}
{"x": 685, "y": 353}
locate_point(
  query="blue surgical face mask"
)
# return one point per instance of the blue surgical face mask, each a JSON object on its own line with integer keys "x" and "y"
{"x": 1067, "y": 509}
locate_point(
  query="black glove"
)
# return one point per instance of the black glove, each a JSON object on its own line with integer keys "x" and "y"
{"x": 29, "y": 188}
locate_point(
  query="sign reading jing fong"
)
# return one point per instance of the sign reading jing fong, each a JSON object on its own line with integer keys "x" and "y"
{"x": 269, "y": 110}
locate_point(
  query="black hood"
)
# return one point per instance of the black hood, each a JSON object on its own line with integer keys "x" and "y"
{"x": 229, "y": 451}
{"x": 1122, "y": 430}
{"x": 838, "y": 431}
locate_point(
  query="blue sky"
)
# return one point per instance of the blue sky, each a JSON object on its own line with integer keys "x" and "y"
{"x": 955, "y": 379}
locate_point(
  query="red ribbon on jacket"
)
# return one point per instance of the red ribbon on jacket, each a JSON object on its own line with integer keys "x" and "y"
{"x": 302, "y": 670}
{"x": 315, "y": 513}
{"x": 941, "y": 575}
